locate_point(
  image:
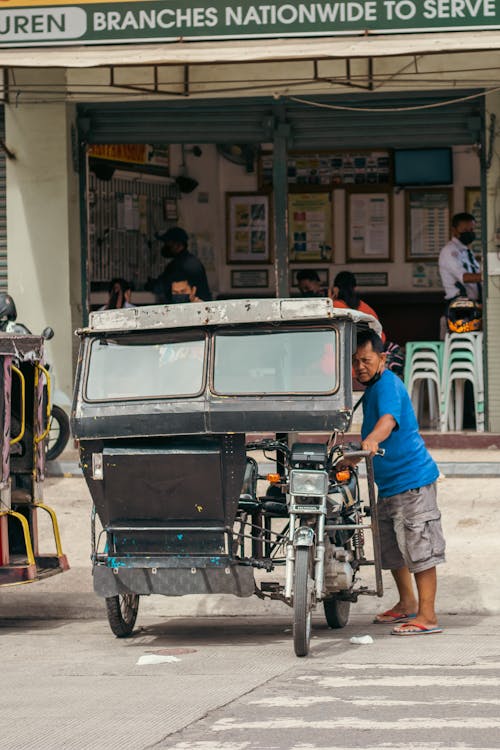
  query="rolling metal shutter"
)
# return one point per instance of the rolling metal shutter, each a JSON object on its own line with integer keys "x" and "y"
{"x": 251, "y": 120}
{"x": 215, "y": 121}
{"x": 3, "y": 210}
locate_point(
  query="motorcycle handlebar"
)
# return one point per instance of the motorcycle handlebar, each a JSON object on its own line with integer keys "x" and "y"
{"x": 362, "y": 454}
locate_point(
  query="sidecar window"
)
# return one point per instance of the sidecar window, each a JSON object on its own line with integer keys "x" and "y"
{"x": 121, "y": 368}
{"x": 274, "y": 362}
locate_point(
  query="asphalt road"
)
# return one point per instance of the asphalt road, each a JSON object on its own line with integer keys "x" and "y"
{"x": 230, "y": 683}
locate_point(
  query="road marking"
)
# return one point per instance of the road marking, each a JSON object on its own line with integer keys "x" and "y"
{"x": 210, "y": 745}
{"x": 357, "y": 724}
{"x": 281, "y": 701}
{"x": 403, "y": 681}
{"x": 394, "y": 667}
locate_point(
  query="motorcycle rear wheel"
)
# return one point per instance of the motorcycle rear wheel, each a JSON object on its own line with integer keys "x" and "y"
{"x": 59, "y": 433}
{"x": 336, "y": 612}
{"x": 302, "y": 603}
{"x": 122, "y": 613}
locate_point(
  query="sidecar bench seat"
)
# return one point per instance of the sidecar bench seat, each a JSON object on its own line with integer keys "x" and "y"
{"x": 249, "y": 504}
{"x": 274, "y": 508}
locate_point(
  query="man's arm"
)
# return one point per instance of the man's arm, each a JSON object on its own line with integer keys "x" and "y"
{"x": 380, "y": 432}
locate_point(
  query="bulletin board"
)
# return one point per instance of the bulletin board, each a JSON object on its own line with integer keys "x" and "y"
{"x": 310, "y": 227}
{"x": 428, "y": 217}
{"x": 368, "y": 222}
{"x": 318, "y": 170}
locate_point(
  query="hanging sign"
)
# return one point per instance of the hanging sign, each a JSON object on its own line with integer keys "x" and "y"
{"x": 41, "y": 22}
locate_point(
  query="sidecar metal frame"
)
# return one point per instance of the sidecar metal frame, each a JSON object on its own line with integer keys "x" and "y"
{"x": 167, "y": 529}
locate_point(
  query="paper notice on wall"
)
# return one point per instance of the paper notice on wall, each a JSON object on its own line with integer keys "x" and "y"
{"x": 369, "y": 225}
{"x": 131, "y": 220}
{"x": 426, "y": 275}
{"x": 201, "y": 245}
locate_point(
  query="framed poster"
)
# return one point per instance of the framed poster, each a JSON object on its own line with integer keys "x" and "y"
{"x": 250, "y": 279}
{"x": 368, "y": 227}
{"x": 310, "y": 227}
{"x": 248, "y": 228}
{"x": 472, "y": 203}
{"x": 428, "y": 216}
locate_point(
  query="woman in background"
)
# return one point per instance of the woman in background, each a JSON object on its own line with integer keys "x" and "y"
{"x": 344, "y": 294}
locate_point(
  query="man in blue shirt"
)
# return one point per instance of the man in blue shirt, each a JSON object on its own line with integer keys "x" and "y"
{"x": 411, "y": 537}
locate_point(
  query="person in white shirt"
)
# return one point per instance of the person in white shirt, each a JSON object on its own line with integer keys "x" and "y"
{"x": 460, "y": 272}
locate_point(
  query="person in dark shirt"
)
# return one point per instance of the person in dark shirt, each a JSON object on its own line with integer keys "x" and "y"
{"x": 175, "y": 242}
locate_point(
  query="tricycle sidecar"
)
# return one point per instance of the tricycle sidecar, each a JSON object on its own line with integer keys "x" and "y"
{"x": 165, "y": 398}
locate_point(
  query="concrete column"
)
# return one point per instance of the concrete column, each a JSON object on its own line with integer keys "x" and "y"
{"x": 492, "y": 279}
{"x": 43, "y": 240}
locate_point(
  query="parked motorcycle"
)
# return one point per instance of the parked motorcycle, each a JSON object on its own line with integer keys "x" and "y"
{"x": 60, "y": 432}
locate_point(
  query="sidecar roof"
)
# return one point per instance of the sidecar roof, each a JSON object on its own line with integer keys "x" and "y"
{"x": 226, "y": 312}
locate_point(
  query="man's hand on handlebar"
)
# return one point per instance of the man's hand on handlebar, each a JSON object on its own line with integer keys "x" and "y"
{"x": 370, "y": 445}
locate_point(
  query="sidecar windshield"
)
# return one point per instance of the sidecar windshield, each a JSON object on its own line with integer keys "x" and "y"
{"x": 142, "y": 367}
{"x": 275, "y": 362}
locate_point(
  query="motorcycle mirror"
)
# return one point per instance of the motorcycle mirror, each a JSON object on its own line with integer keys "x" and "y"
{"x": 48, "y": 333}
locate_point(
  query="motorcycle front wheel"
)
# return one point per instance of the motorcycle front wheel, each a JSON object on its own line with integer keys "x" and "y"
{"x": 122, "y": 613}
{"x": 302, "y": 602}
{"x": 336, "y": 612}
{"x": 59, "y": 433}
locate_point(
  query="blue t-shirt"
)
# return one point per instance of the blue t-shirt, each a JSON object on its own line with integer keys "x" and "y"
{"x": 407, "y": 462}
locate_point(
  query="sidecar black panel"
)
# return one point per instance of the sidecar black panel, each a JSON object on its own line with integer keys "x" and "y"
{"x": 236, "y": 580}
{"x": 167, "y": 496}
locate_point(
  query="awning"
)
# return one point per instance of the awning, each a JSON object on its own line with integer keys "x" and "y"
{"x": 249, "y": 51}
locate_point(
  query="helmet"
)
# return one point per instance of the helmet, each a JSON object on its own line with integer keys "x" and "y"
{"x": 464, "y": 316}
{"x": 7, "y": 307}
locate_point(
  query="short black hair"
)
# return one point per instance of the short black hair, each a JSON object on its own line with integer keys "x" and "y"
{"x": 459, "y": 218}
{"x": 370, "y": 337}
{"x": 307, "y": 274}
{"x": 182, "y": 276}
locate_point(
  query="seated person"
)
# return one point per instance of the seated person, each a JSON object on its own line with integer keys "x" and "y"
{"x": 183, "y": 289}
{"x": 120, "y": 292}
{"x": 309, "y": 283}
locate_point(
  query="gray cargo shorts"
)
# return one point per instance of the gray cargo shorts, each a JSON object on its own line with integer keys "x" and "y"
{"x": 410, "y": 530}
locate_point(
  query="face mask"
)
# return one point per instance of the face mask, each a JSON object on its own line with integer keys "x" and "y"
{"x": 374, "y": 379}
{"x": 467, "y": 237}
{"x": 179, "y": 299}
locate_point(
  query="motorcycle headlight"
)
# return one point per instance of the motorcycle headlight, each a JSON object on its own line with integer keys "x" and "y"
{"x": 308, "y": 482}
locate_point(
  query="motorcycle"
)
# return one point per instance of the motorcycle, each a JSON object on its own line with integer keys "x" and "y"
{"x": 59, "y": 433}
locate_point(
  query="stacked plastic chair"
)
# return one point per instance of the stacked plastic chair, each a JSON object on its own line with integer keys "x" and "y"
{"x": 462, "y": 362}
{"x": 423, "y": 370}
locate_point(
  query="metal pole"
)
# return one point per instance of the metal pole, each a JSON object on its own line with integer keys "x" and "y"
{"x": 280, "y": 206}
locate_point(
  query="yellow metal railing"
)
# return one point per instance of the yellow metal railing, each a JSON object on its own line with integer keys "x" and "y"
{"x": 23, "y": 405}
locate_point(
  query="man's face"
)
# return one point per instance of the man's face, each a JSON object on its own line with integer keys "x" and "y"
{"x": 309, "y": 286}
{"x": 171, "y": 249}
{"x": 464, "y": 226}
{"x": 183, "y": 287}
{"x": 367, "y": 363}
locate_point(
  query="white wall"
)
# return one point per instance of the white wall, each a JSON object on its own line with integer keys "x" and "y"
{"x": 43, "y": 223}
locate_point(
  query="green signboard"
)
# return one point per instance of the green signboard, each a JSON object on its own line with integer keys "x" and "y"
{"x": 40, "y": 22}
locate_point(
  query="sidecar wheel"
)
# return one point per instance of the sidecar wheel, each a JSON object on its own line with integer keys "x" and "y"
{"x": 122, "y": 613}
{"x": 337, "y": 612}
{"x": 59, "y": 433}
{"x": 302, "y": 602}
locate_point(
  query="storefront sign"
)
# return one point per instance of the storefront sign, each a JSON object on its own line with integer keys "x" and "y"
{"x": 36, "y": 22}
{"x": 131, "y": 153}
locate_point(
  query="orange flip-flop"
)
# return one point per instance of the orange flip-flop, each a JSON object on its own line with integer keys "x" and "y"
{"x": 405, "y": 630}
{"x": 394, "y": 617}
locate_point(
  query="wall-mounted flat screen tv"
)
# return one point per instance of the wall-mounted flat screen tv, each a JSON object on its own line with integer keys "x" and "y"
{"x": 423, "y": 166}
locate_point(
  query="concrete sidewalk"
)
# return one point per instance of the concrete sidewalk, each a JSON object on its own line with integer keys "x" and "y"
{"x": 468, "y": 583}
